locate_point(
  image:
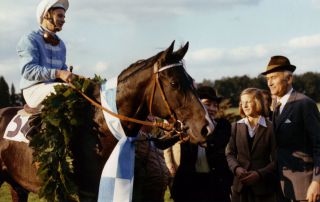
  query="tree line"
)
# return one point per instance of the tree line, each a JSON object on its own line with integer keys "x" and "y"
{"x": 231, "y": 87}
{"x": 9, "y": 97}
{"x": 227, "y": 87}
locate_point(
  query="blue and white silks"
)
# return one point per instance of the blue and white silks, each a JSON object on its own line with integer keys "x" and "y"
{"x": 116, "y": 183}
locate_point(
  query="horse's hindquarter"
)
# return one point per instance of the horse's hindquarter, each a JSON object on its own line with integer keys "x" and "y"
{"x": 16, "y": 157}
{"x": 6, "y": 114}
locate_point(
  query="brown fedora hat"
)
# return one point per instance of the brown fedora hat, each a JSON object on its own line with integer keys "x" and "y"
{"x": 279, "y": 63}
{"x": 207, "y": 92}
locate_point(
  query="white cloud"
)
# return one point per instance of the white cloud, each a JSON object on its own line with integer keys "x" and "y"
{"x": 127, "y": 10}
{"x": 256, "y": 51}
{"x": 305, "y": 41}
{"x": 213, "y": 63}
{"x": 206, "y": 54}
{"x": 233, "y": 54}
{"x": 19, "y": 12}
{"x": 101, "y": 67}
{"x": 245, "y": 53}
{"x": 316, "y": 3}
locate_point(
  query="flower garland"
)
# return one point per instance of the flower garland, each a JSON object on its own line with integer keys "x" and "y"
{"x": 62, "y": 116}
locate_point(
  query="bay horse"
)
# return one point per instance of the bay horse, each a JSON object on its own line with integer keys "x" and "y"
{"x": 136, "y": 98}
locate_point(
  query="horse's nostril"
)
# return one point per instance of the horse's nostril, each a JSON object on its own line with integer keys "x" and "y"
{"x": 204, "y": 131}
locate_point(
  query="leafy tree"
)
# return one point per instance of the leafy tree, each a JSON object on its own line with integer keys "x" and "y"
{"x": 207, "y": 82}
{"x": 13, "y": 96}
{"x": 20, "y": 99}
{"x": 4, "y": 93}
{"x": 231, "y": 87}
{"x": 309, "y": 84}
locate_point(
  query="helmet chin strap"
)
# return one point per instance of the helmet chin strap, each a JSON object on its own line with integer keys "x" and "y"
{"x": 57, "y": 29}
{"x": 49, "y": 34}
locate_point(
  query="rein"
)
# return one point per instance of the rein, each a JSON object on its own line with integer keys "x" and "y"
{"x": 177, "y": 126}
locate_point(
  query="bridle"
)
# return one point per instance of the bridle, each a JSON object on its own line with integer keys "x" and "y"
{"x": 176, "y": 126}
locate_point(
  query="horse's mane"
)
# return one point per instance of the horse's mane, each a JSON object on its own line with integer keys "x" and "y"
{"x": 138, "y": 66}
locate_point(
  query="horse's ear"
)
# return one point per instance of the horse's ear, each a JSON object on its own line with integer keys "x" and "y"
{"x": 168, "y": 52}
{"x": 170, "y": 49}
{"x": 182, "y": 51}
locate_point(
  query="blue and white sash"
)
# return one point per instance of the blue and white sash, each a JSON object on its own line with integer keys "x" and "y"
{"x": 116, "y": 183}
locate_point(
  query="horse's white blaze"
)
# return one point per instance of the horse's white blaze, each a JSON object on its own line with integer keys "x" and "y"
{"x": 210, "y": 126}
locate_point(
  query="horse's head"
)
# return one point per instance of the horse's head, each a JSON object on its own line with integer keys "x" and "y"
{"x": 161, "y": 86}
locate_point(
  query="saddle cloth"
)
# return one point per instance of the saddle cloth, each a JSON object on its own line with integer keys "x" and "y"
{"x": 15, "y": 127}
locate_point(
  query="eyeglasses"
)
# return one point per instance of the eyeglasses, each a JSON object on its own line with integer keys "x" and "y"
{"x": 50, "y": 39}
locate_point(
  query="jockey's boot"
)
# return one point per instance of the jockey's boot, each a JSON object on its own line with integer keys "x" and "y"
{"x": 32, "y": 126}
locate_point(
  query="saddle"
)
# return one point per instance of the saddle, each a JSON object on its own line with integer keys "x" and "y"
{"x": 33, "y": 123}
{"x": 31, "y": 110}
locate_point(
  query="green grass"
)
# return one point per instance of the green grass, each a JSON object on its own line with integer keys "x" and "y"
{"x": 5, "y": 195}
{"x": 167, "y": 196}
{"x": 233, "y": 110}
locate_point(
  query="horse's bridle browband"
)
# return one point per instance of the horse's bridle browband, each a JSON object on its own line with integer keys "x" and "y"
{"x": 177, "y": 125}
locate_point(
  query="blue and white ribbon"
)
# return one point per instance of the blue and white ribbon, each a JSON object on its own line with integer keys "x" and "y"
{"x": 116, "y": 183}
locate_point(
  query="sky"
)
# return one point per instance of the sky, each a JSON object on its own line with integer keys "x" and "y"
{"x": 227, "y": 37}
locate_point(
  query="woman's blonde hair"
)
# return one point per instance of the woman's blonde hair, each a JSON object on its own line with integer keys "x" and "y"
{"x": 260, "y": 107}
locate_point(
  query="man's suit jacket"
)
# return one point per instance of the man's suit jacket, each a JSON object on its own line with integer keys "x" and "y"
{"x": 260, "y": 158}
{"x": 297, "y": 131}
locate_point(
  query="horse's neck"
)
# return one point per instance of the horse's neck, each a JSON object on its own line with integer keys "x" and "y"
{"x": 131, "y": 97}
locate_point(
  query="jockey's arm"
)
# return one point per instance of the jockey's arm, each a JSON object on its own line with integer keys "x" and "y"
{"x": 64, "y": 75}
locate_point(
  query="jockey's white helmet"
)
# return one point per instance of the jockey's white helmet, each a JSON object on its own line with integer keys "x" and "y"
{"x": 45, "y": 5}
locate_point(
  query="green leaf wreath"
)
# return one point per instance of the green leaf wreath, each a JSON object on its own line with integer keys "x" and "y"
{"x": 61, "y": 117}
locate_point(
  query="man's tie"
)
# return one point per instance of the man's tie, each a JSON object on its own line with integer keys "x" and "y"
{"x": 276, "y": 110}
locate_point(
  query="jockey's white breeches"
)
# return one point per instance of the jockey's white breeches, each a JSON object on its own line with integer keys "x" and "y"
{"x": 35, "y": 94}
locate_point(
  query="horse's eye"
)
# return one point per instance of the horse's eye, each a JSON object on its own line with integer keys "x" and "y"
{"x": 174, "y": 84}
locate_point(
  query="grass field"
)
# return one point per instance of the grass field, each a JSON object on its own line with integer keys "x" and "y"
{"x": 6, "y": 197}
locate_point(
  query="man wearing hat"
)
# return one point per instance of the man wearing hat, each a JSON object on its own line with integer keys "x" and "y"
{"x": 296, "y": 125}
{"x": 43, "y": 54}
{"x": 203, "y": 174}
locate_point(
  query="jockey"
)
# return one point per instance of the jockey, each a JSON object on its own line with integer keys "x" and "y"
{"x": 43, "y": 54}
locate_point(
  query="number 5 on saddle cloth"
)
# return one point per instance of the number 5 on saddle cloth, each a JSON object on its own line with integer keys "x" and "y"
{"x": 23, "y": 125}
